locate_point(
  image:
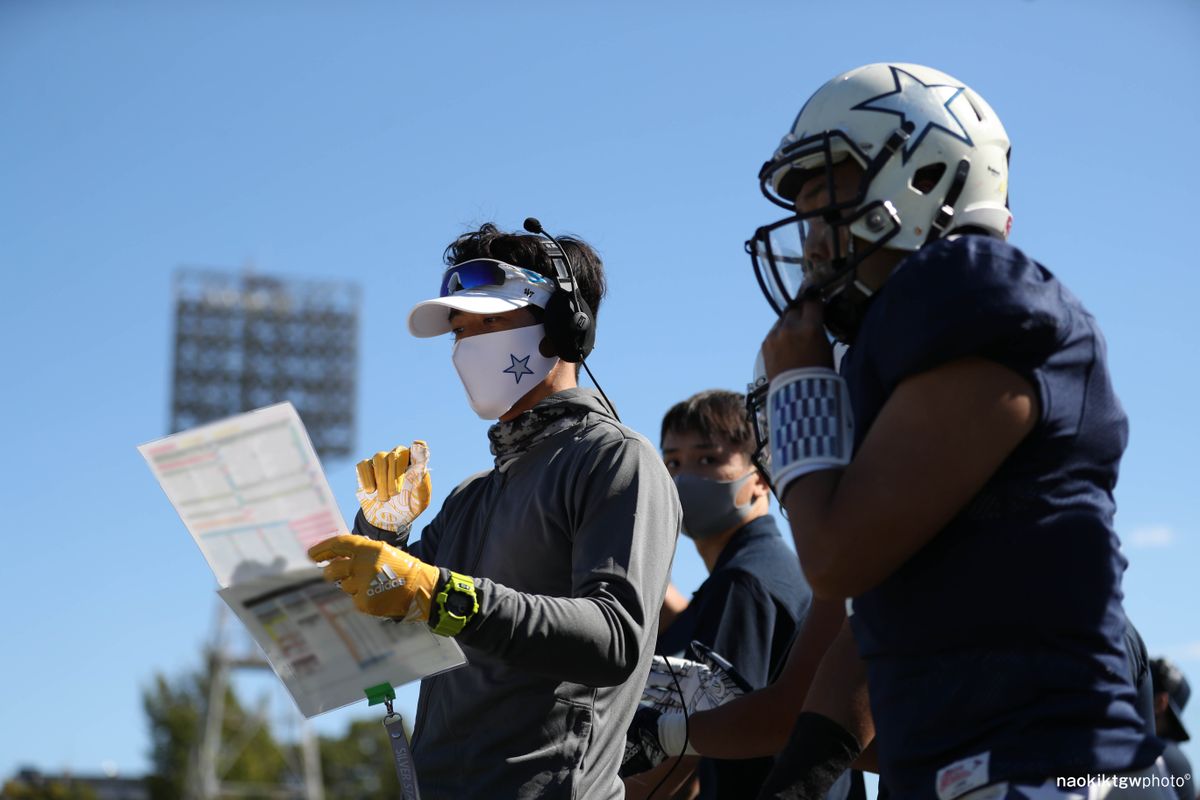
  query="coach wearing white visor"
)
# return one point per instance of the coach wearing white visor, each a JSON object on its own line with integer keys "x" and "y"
{"x": 550, "y": 568}
{"x": 495, "y": 311}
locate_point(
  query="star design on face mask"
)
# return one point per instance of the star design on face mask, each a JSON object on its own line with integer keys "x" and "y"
{"x": 928, "y": 106}
{"x": 519, "y": 367}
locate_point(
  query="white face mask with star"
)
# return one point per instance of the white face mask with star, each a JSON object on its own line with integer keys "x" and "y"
{"x": 498, "y": 369}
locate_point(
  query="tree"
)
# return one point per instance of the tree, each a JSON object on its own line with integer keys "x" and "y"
{"x": 37, "y": 788}
{"x": 175, "y": 708}
{"x": 358, "y": 765}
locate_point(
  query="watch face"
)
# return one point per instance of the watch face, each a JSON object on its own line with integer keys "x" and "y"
{"x": 459, "y": 604}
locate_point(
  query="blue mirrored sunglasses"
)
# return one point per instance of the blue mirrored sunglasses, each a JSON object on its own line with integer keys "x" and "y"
{"x": 486, "y": 272}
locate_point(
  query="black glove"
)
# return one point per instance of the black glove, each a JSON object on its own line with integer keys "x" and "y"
{"x": 817, "y": 753}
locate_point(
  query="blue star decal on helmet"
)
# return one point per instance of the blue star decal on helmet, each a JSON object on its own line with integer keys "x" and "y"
{"x": 519, "y": 367}
{"x": 926, "y": 106}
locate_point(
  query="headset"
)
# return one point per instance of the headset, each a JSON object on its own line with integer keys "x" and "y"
{"x": 569, "y": 320}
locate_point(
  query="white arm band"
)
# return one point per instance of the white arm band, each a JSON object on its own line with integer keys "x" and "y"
{"x": 812, "y": 427}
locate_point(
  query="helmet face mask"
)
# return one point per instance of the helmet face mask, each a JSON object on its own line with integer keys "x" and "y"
{"x": 787, "y": 275}
{"x": 819, "y": 165}
{"x": 756, "y": 413}
{"x": 932, "y": 157}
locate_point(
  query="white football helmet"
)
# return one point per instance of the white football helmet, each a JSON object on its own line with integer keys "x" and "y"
{"x": 934, "y": 160}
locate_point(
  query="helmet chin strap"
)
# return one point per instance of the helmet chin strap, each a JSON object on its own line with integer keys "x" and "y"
{"x": 846, "y": 300}
{"x": 844, "y": 311}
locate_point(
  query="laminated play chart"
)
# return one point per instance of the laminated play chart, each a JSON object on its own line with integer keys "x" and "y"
{"x": 252, "y": 493}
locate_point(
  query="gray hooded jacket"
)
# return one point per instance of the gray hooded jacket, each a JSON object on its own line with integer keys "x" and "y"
{"x": 570, "y": 545}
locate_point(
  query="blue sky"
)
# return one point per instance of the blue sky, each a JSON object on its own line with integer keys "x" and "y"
{"x": 353, "y": 141}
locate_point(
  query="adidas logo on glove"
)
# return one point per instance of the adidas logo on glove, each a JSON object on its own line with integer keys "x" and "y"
{"x": 386, "y": 580}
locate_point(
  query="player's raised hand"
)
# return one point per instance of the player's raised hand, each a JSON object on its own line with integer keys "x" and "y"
{"x": 382, "y": 580}
{"x": 394, "y": 487}
{"x": 798, "y": 339}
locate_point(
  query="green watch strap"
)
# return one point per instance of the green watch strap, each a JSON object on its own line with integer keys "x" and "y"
{"x": 449, "y": 623}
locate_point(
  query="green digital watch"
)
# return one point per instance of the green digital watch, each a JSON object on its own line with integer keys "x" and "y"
{"x": 456, "y": 603}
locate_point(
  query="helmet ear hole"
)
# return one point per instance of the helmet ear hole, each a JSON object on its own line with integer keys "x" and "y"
{"x": 927, "y": 177}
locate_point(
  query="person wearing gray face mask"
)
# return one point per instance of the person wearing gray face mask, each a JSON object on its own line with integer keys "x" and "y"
{"x": 755, "y": 597}
{"x": 711, "y": 507}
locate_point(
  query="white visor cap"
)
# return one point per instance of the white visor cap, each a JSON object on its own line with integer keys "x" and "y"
{"x": 520, "y": 288}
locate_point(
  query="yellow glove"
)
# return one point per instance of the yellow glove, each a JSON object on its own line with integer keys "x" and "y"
{"x": 394, "y": 488}
{"x": 383, "y": 580}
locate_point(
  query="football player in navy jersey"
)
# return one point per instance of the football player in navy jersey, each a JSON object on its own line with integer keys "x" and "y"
{"x": 956, "y": 478}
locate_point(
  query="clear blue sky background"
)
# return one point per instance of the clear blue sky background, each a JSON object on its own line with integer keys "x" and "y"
{"x": 353, "y": 140}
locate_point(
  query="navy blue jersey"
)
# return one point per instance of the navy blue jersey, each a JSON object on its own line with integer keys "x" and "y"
{"x": 748, "y": 610}
{"x": 1003, "y": 637}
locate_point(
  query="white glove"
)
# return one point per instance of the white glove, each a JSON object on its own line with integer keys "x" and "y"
{"x": 394, "y": 488}
{"x": 705, "y": 682}
{"x": 659, "y": 728}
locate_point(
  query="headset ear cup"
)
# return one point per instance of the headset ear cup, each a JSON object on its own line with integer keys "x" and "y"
{"x": 585, "y": 330}
{"x": 571, "y": 331}
{"x": 558, "y": 324}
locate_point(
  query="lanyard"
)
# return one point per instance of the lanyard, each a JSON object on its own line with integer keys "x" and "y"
{"x": 406, "y": 771}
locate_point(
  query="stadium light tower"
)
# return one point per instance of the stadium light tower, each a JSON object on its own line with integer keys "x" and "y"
{"x": 244, "y": 340}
